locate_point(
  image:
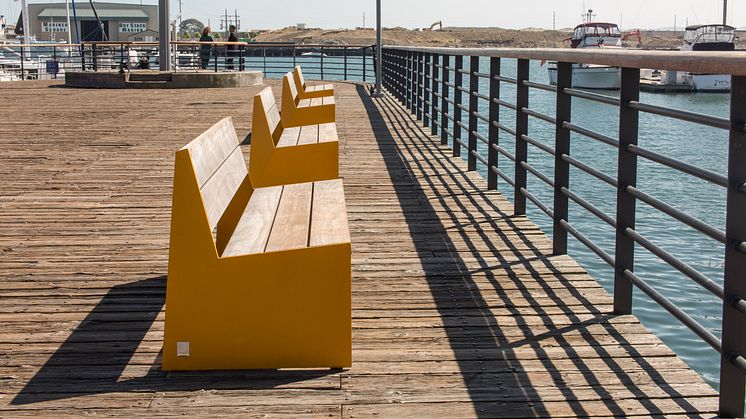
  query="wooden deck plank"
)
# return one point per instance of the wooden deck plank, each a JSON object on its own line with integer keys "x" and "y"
{"x": 459, "y": 308}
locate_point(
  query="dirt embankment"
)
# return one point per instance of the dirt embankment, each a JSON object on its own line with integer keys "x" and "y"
{"x": 459, "y": 37}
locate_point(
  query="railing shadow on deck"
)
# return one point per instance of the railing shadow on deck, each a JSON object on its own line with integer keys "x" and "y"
{"x": 93, "y": 359}
{"x": 488, "y": 352}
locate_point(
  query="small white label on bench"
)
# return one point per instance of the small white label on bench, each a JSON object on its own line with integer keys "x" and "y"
{"x": 182, "y": 348}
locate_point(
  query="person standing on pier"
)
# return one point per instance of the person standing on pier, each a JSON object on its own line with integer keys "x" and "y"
{"x": 206, "y": 49}
{"x": 232, "y": 48}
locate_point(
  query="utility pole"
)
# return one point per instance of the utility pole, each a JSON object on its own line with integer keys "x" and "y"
{"x": 725, "y": 12}
{"x": 378, "y": 92}
{"x": 164, "y": 36}
{"x": 26, "y": 24}
{"x": 363, "y": 20}
{"x": 554, "y": 21}
{"x": 69, "y": 27}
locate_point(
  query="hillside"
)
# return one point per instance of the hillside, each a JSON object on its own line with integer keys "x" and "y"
{"x": 455, "y": 37}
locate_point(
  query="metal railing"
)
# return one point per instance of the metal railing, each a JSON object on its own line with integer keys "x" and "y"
{"x": 430, "y": 83}
{"x": 324, "y": 62}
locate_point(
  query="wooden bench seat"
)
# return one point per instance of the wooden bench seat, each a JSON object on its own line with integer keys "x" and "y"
{"x": 306, "y": 91}
{"x": 297, "y": 111}
{"x": 282, "y": 155}
{"x": 257, "y": 277}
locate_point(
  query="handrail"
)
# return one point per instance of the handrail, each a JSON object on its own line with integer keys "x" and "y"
{"x": 716, "y": 62}
{"x": 411, "y": 79}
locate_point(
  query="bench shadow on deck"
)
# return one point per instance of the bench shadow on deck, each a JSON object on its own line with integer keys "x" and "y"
{"x": 490, "y": 362}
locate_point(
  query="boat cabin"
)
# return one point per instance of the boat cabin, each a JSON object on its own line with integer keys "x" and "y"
{"x": 710, "y": 38}
{"x": 596, "y": 34}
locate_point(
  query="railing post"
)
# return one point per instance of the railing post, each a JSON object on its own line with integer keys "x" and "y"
{"x": 626, "y": 203}
{"x": 22, "y": 64}
{"x": 521, "y": 129}
{"x": 434, "y": 94}
{"x": 426, "y": 102}
{"x": 473, "y": 110}
{"x": 82, "y": 57}
{"x": 264, "y": 61}
{"x": 445, "y": 79}
{"x": 412, "y": 82}
{"x": 457, "y": 100}
{"x": 215, "y": 54}
{"x": 365, "y": 64}
{"x": 420, "y": 84}
{"x": 732, "y": 379}
{"x": 241, "y": 62}
{"x": 95, "y": 58}
{"x": 561, "y": 167}
{"x": 494, "y": 117}
{"x": 321, "y": 57}
{"x": 344, "y": 51}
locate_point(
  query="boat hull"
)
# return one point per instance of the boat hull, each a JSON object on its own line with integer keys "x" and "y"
{"x": 591, "y": 77}
{"x": 711, "y": 82}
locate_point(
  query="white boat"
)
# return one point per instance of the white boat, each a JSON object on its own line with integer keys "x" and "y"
{"x": 713, "y": 37}
{"x": 593, "y": 35}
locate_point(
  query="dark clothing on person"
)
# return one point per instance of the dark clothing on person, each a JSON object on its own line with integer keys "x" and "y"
{"x": 205, "y": 50}
{"x": 232, "y": 50}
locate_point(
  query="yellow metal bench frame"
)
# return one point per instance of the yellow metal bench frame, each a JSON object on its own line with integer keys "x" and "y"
{"x": 270, "y": 165}
{"x": 303, "y": 88}
{"x": 286, "y": 309}
{"x": 294, "y": 115}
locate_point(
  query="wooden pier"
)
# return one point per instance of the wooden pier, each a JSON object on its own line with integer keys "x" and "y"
{"x": 459, "y": 308}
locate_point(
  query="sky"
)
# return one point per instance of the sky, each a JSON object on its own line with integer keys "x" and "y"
{"x": 630, "y": 14}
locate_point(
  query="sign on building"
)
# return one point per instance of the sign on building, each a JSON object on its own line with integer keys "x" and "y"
{"x": 131, "y": 27}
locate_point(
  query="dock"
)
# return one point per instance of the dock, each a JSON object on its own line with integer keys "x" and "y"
{"x": 459, "y": 307}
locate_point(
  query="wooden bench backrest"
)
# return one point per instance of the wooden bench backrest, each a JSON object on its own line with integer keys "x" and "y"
{"x": 289, "y": 84}
{"x": 265, "y": 105}
{"x": 299, "y": 79}
{"x": 219, "y": 167}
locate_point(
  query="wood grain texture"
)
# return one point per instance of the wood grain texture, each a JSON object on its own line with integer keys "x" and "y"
{"x": 459, "y": 308}
{"x": 292, "y": 222}
{"x": 252, "y": 232}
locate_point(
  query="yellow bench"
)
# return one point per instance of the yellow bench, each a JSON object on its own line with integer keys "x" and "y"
{"x": 307, "y": 92}
{"x": 282, "y": 155}
{"x": 257, "y": 278}
{"x": 298, "y": 112}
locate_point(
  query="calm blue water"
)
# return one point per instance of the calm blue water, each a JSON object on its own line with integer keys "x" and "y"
{"x": 701, "y": 146}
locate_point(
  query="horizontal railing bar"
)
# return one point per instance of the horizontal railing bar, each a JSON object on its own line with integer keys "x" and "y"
{"x": 589, "y": 207}
{"x": 714, "y": 62}
{"x": 481, "y": 96}
{"x": 536, "y": 202}
{"x": 740, "y": 305}
{"x": 682, "y": 115}
{"x": 582, "y": 94}
{"x": 537, "y": 173}
{"x": 742, "y": 247}
{"x": 449, "y": 132}
{"x": 538, "y": 115}
{"x": 479, "y": 157}
{"x": 480, "y": 137}
{"x": 462, "y": 88}
{"x": 462, "y": 107}
{"x": 675, "y": 262}
{"x": 591, "y": 171}
{"x": 451, "y": 85}
{"x": 503, "y": 151}
{"x": 537, "y": 144}
{"x": 506, "y": 79}
{"x": 588, "y": 243}
{"x": 541, "y": 86}
{"x": 449, "y": 100}
{"x": 480, "y": 116}
{"x": 683, "y": 217}
{"x": 504, "y": 103}
{"x": 462, "y": 125}
{"x": 458, "y": 140}
{"x": 703, "y": 174}
{"x": 448, "y": 115}
{"x": 684, "y": 318}
{"x": 502, "y": 175}
{"x": 504, "y": 128}
{"x": 591, "y": 134}
{"x": 482, "y": 75}
{"x": 740, "y": 362}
